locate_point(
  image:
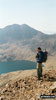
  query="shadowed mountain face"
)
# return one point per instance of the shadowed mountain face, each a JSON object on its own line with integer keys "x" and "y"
{"x": 19, "y": 42}
{"x": 16, "y": 32}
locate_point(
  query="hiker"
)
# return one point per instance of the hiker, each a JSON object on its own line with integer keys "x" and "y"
{"x": 39, "y": 58}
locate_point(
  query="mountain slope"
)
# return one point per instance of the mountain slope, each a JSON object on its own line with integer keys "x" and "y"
{"x": 21, "y": 41}
{"x": 24, "y": 85}
{"x": 18, "y": 32}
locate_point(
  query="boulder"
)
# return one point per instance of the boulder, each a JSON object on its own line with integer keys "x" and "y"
{"x": 53, "y": 88}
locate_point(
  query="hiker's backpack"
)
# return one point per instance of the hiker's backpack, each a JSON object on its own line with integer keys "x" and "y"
{"x": 45, "y": 55}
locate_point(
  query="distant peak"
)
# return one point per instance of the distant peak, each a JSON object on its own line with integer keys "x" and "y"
{"x": 25, "y": 25}
{"x": 13, "y": 25}
{"x": 16, "y": 25}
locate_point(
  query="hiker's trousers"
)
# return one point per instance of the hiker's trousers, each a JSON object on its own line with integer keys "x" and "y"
{"x": 39, "y": 70}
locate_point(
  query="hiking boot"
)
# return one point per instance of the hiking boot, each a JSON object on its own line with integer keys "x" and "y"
{"x": 38, "y": 78}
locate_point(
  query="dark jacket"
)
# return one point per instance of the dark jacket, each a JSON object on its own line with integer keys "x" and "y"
{"x": 39, "y": 57}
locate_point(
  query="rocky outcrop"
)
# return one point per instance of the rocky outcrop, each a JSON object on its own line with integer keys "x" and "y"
{"x": 29, "y": 87}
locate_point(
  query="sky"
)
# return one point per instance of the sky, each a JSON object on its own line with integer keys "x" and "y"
{"x": 39, "y": 14}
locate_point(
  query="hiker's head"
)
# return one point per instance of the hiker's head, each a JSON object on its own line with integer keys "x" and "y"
{"x": 38, "y": 49}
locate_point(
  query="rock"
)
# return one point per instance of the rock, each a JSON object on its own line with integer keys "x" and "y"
{"x": 23, "y": 89}
{"x": 1, "y": 98}
{"x": 4, "y": 90}
{"x": 7, "y": 85}
{"x": 14, "y": 91}
{"x": 53, "y": 88}
{"x": 42, "y": 85}
{"x": 32, "y": 98}
{"x": 16, "y": 84}
{"x": 29, "y": 88}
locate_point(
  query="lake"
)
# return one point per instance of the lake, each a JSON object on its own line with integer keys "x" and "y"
{"x": 11, "y": 66}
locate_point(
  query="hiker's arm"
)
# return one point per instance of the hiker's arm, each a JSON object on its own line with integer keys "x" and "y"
{"x": 36, "y": 56}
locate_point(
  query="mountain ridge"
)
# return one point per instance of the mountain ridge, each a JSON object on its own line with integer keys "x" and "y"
{"x": 24, "y": 38}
